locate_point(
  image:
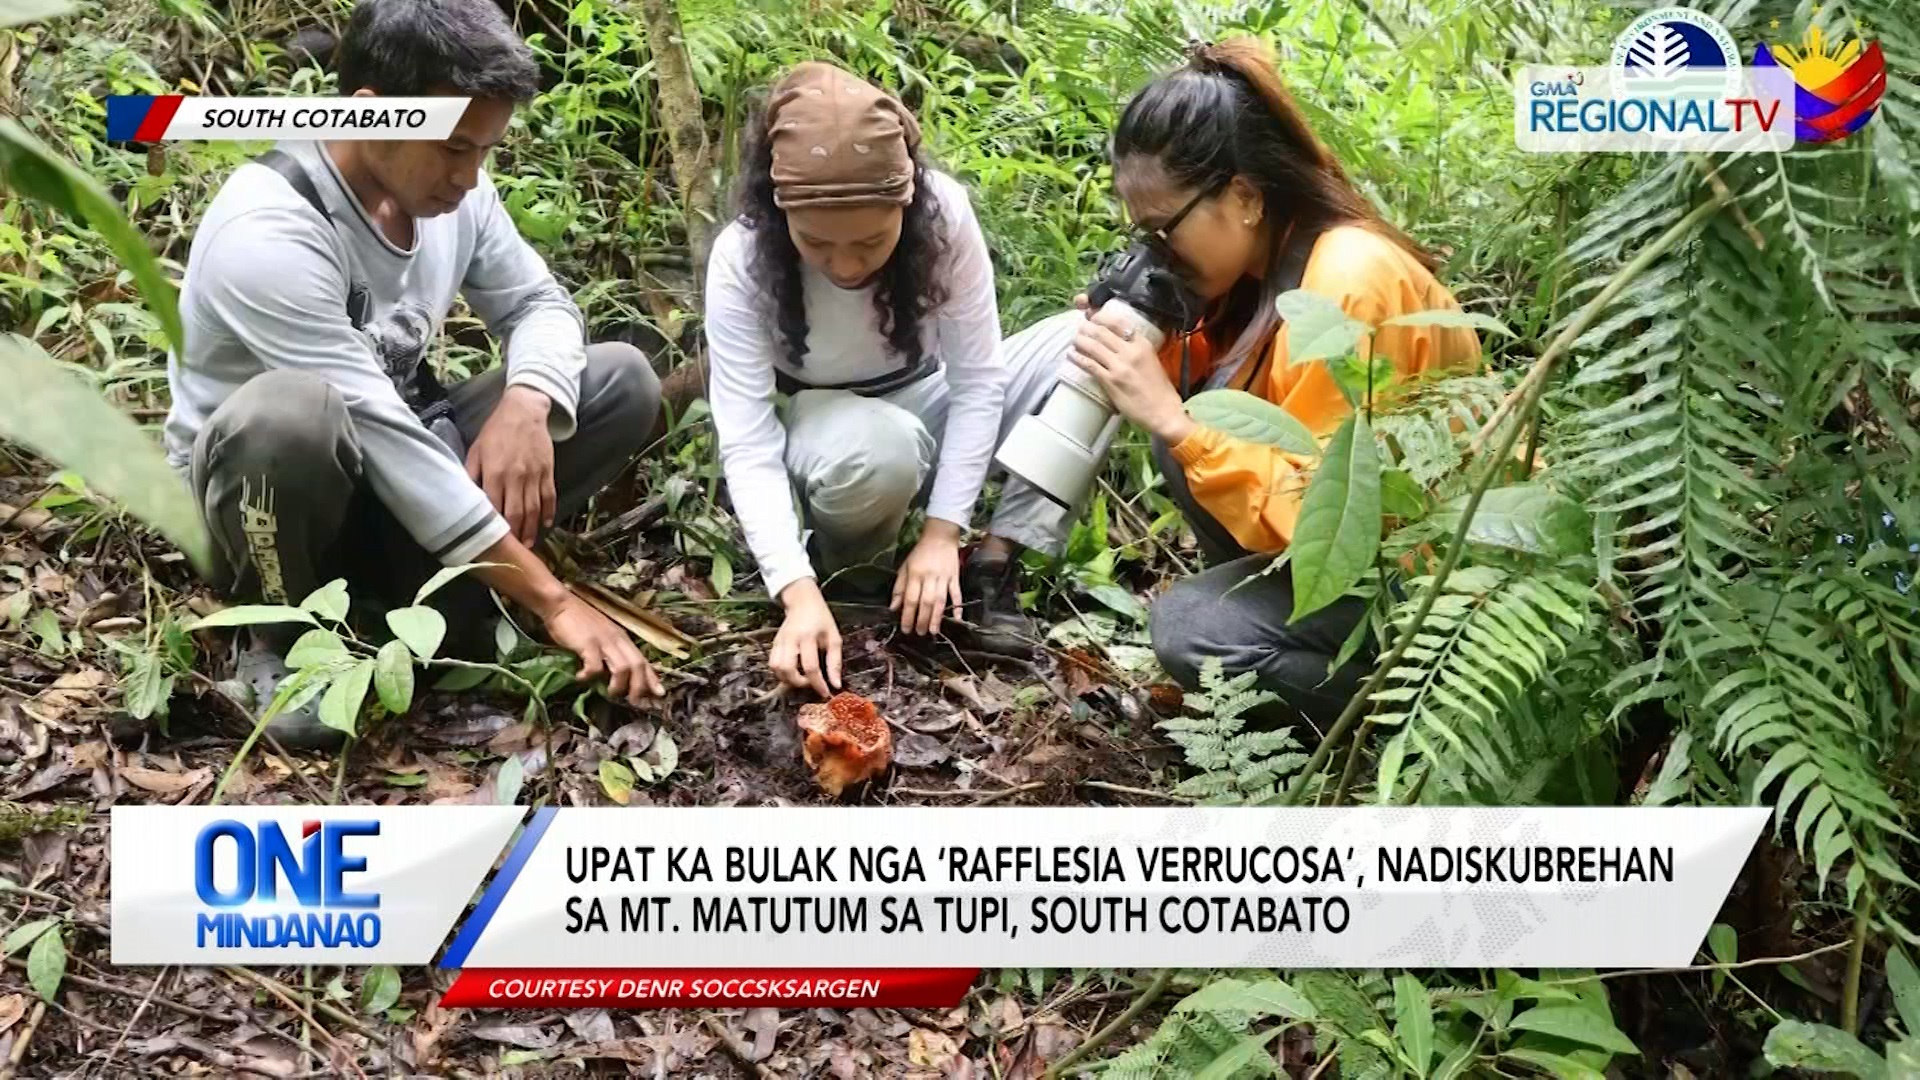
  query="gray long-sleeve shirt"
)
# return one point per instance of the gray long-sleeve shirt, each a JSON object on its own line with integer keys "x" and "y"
{"x": 271, "y": 285}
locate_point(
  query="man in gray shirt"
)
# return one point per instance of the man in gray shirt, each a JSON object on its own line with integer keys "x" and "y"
{"x": 316, "y": 437}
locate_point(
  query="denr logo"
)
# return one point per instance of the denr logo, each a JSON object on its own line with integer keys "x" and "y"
{"x": 263, "y": 860}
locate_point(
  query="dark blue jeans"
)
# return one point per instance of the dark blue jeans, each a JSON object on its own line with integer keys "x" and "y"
{"x": 1234, "y": 613}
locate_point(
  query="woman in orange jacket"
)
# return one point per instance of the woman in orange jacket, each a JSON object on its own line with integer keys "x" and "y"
{"x": 1217, "y": 166}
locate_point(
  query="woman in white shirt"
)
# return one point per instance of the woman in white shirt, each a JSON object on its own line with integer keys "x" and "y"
{"x": 856, "y": 281}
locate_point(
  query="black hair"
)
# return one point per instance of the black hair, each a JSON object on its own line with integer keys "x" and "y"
{"x": 1226, "y": 114}
{"x": 909, "y": 287}
{"x": 410, "y": 48}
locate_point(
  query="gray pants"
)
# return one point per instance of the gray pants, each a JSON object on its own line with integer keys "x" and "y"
{"x": 859, "y": 465}
{"x": 289, "y": 432}
{"x": 1234, "y": 613}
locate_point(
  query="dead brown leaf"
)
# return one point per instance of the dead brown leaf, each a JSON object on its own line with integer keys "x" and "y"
{"x": 929, "y": 1048}
{"x": 12, "y": 1008}
{"x": 1005, "y": 1016}
{"x": 91, "y": 755}
{"x": 765, "y": 1025}
{"x": 426, "y": 1036}
{"x": 160, "y": 781}
{"x": 84, "y": 679}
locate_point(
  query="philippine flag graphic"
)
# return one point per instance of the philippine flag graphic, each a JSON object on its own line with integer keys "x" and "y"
{"x": 1838, "y": 85}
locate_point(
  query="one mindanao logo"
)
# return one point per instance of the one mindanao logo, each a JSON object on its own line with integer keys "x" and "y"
{"x": 262, "y": 891}
{"x": 1837, "y": 86}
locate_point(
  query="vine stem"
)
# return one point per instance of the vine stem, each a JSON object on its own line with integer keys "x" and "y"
{"x": 1850, "y": 994}
{"x": 1533, "y": 389}
{"x": 1100, "y": 1038}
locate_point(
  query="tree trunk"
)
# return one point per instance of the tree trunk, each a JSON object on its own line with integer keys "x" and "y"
{"x": 680, "y": 114}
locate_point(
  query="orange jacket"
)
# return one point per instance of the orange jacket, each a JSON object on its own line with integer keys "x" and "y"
{"x": 1254, "y": 490}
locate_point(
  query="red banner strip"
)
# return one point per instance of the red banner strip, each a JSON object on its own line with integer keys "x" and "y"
{"x": 153, "y": 126}
{"x": 684, "y": 988}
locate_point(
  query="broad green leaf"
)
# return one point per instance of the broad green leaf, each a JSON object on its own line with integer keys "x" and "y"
{"x": 1724, "y": 943}
{"x": 722, "y": 576}
{"x": 506, "y": 638}
{"x": 317, "y": 648}
{"x": 463, "y": 678}
{"x": 1253, "y": 418}
{"x": 506, "y": 786}
{"x": 1800, "y": 1045}
{"x": 28, "y": 167}
{"x": 1455, "y": 1064}
{"x": 329, "y": 601}
{"x": 1401, "y": 495}
{"x": 1527, "y": 518}
{"x": 252, "y": 615}
{"x": 50, "y": 411}
{"x": 47, "y": 963}
{"x": 1250, "y": 1052}
{"x": 1471, "y": 320}
{"x": 422, "y": 628}
{"x": 379, "y": 990}
{"x": 1316, "y": 326}
{"x": 666, "y": 752}
{"x": 15, "y": 607}
{"x": 406, "y": 779}
{"x": 617, "y": 780}
{"x": 46, "y": 626}
{"x": 1904, "y": 981}
{"x": 340, "y": 709}
{"x": 25, "y": 934}
{"x": 1577, "y": 1023}
{"x": 510, "y": 1058}
{"x": 393, "y": 677}
{"x": 1565, "y": 1068}
{"x": 1268, "y": 997}
{"x": 1338, "y": 531}
{"x": 1117, "y": 599}
{"x": 18, "y": 12}
{"x": 1903, "y": 1058}
{"x": 146, "y": 687}
{"x": 440, "y": 579}
{"x": 1413, "y": 1021}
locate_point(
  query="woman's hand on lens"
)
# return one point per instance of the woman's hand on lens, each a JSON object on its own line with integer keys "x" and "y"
{"x": 1109, "y": 348}
{"x": 806, "y": 651}
{"x": 929, "y": 579}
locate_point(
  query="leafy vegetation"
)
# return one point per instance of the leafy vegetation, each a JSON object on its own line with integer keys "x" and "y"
{"x": 1661, "y": 551}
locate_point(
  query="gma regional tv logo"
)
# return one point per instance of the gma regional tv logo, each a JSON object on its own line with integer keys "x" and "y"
{"x": 1675, "y": 85}
{"x": 264, "y": 890}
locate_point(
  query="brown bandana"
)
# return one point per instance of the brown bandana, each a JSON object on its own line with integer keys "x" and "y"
{"x": 838, "y": 141}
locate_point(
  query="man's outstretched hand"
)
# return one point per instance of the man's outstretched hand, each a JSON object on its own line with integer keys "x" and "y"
{"x": 512, "y": 459}
{"x": 604, "y": 649}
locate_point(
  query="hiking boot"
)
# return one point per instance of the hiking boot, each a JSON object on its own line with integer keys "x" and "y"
{"x": 259, "y": 671}
{"x": 990, "y": 588}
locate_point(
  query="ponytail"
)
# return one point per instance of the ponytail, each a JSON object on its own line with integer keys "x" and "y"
{"x": 1225, "y": 114}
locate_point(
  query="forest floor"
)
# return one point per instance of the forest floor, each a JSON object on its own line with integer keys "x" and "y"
{"x": 1060, "y": 729}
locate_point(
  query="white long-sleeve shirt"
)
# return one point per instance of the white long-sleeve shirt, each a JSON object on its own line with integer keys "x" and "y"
{"x": 844, "y": 345}
{"x": 270, "y": 284}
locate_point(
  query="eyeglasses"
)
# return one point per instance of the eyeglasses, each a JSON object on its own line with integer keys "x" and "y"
{"x": 1164, "y": 234}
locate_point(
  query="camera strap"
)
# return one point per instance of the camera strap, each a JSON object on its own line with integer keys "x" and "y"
{"x": 1292, "y": 268}
{"x": 424, "y": 394}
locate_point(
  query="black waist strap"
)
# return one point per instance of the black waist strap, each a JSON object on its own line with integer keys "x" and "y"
{"x": 878, "y": 386}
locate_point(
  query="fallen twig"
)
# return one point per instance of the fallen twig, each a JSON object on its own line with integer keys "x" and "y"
{"x": 1125, "y": 790}
{"x": 20, "y": 1044}
{"x": 280, "y": 991}
{"x": 127, "y": 991}
{"x": 982, "y": 798}
{"x": 1104, "y": 1035}
{"x": 640, "y": 517}
{"x": 740, "y": 1053}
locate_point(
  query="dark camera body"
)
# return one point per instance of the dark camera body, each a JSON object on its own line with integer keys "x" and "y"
{"x": 1142, "y": 278}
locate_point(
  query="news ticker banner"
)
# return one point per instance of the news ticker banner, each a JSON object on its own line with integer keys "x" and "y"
{"x": 725, "y": 905}
{"x": 162, "y": 117}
